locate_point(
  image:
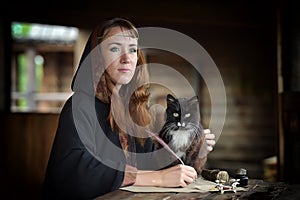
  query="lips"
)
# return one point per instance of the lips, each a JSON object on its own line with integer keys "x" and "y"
{"x": 124, "y": 70}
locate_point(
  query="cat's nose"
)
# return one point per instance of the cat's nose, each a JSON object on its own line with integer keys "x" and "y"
{"x": 179, "y": 124}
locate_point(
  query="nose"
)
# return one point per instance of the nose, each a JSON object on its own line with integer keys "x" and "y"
{"x": 125, "y": 58}
{"x": 180, "y": 124}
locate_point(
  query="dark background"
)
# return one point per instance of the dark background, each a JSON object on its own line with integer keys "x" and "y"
{"x": 255, "y": 45}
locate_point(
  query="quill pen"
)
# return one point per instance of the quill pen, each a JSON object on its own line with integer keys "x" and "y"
{"x": 158, "y": 139}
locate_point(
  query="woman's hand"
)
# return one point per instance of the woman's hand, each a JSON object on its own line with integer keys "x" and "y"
{"x": 210, "y": 139}
{"x": 176, "y": 176}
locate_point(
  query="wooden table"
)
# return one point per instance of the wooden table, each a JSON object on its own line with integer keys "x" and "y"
{"x": 257, "y": 189}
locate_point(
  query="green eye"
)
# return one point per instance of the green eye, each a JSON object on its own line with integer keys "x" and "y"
{"x": 187, "y": 115}
{"x": 175, "y": 114}
{"x": 133, "y": 50}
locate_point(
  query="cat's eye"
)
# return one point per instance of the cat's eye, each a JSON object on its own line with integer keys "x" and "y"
{"x": 187, "y": 115}
{"x": 175, "y": 114}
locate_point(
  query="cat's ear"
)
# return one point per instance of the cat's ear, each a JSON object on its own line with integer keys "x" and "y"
{"x": 170, "y": 98}
{"x": 194, "y": 99}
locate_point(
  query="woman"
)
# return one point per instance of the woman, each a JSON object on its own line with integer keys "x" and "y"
{"x": 101, "y": 142}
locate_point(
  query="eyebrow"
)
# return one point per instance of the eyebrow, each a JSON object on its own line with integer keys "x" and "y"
{"x": 120, "y": 44}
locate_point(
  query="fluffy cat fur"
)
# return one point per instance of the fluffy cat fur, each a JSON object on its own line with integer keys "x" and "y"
{"x": 183, "y": 132}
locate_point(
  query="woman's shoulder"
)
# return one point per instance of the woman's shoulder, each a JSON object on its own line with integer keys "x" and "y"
{"x": 80, "y": 104}
{"x": 80, "y": 100}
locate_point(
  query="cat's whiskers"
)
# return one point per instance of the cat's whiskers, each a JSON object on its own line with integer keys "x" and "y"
{"x": 180, "y": 139}
{"x": 196, "y": 128}
{"x": 167, "y": 129}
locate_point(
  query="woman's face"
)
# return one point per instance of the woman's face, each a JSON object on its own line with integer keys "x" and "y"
{"x": 119, "y": 51}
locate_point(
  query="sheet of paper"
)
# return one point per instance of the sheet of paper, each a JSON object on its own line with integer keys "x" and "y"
{"x": 199, "y": 185}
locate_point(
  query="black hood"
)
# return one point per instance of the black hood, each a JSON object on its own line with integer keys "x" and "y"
{"x": 84, "y": 77}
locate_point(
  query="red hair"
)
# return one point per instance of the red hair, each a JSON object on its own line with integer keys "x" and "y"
{"x": 122, "y": 115}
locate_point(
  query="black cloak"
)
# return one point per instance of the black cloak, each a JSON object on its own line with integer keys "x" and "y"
{"x": 86, "y": 159}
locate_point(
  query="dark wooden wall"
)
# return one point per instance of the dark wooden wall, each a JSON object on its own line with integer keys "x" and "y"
{"x": 246, "y": 57}
{"x": 26, "y": 145}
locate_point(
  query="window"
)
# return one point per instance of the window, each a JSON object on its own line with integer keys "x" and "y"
{"x": 42, "y": 66}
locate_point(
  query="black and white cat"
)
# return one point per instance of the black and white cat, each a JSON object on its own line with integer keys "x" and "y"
{"x": 183, "y": 131}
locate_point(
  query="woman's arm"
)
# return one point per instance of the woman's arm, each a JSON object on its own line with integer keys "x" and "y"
{"x": 73, "y": 171}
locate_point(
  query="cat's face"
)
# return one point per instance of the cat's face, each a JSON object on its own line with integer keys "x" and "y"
{"x": 183, "y": 113}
